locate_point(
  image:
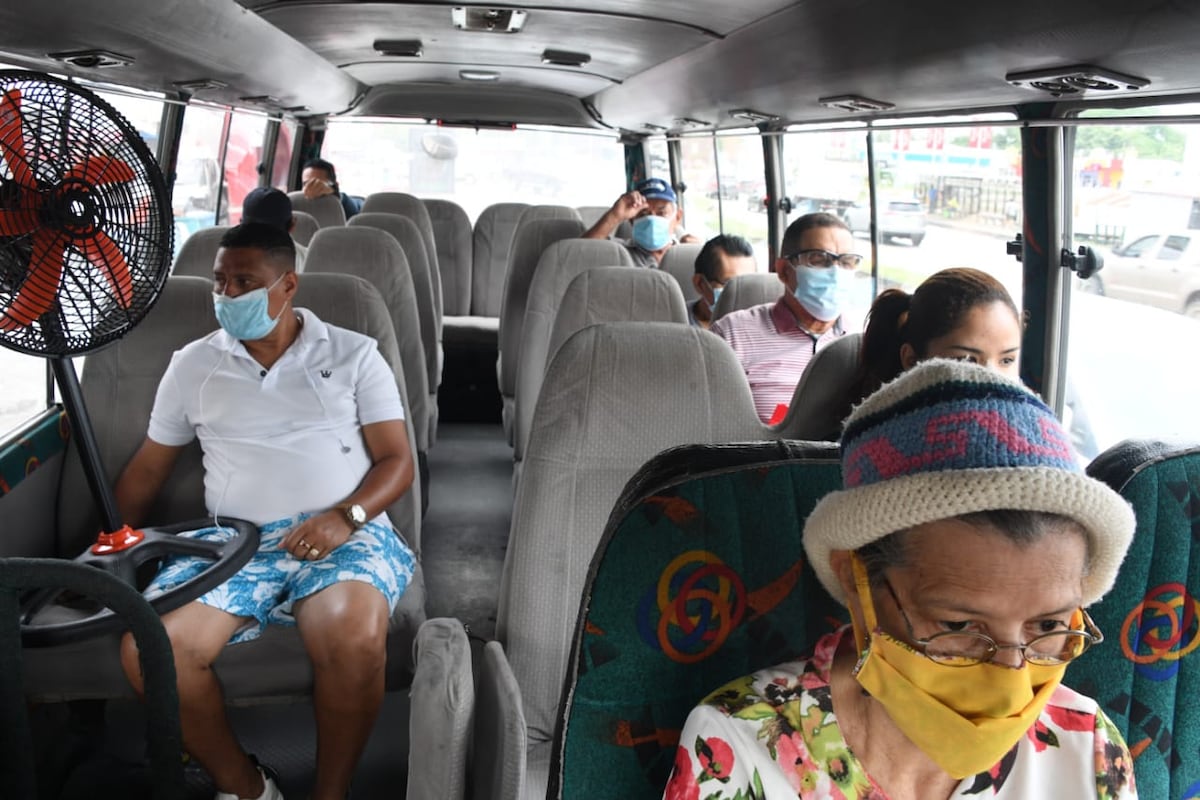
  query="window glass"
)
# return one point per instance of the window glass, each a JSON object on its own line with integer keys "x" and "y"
{"x": 198, "y": 171}
{"x": 144, "y": 113}
{"x": 659, "y": 158}
{"x": 743, "y": 187}
{"x": 283, "y": 153}
{"x": 1130, "y": 323}
{"x": 243, "y": 154}
{"x": 22, "y": 389}
{"x": 701, "y": 199}
{"x": 476, "y": 168}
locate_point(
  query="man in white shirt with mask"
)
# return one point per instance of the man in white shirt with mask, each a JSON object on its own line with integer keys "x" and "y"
{"x": 302, "y": 429}
{"x": 657, "y": 222}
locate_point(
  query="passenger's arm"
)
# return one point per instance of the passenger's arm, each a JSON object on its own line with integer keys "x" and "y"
{"x": 141, "y": 479}
{"x": 390, "y": 475}
{"x": 627, "y": 207}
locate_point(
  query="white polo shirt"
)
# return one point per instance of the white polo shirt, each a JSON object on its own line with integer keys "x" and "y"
{"x": 282, "y": 441}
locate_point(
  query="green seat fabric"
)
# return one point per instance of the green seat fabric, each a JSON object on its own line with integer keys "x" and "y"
{"x": 700, "y": 578}
{"x": 1146, "y": 674}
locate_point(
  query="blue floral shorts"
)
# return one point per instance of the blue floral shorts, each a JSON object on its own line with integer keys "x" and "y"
{"x": 272, "y": 581}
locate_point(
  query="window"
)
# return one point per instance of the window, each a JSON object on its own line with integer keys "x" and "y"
{"x": 243, "y": 154}
{"x": 283, "y": 153}
{"x": 476, "y": 168}
{"x": 198, "y": 171}
{"x": 740, "y": 159}
{"x": 1129, "y": 323}
{"x": 659, "y": 158}
{"x": 144, "y": 113}
{"x": 701, "y": 199}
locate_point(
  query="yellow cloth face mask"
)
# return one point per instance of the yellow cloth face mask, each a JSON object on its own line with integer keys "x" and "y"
{"x": 964, "y": 718}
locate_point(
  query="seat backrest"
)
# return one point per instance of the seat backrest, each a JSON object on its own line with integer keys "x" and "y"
{"x": 746, "y": 291}
{"x": 1146, "y": 674}
{"x": 498, "y": 746}
{"x": 680, "y": 262}
{"x": 531, "y": 240}
{"x": 405, "y": 231}
{"x": 688, "y": 533}
{"x": 326, "y": 210}
{"x": 614, "y": 395}
{"x": 411, "y": 206}
{"x": 305, "y": 228}
{"x": 442, "y": 702}
{"x": 559, "y": 265}
{"x": 821, "y": 400}
{"x": 198, "y": 253}
{"x": 490, "y": 242}
{"x": 452, "y": 236}
{"x": 590, "y": 215}
{"x": 120, "y": 382}
{"x": 549, "y": 212}
{"x": 376, "y": 256}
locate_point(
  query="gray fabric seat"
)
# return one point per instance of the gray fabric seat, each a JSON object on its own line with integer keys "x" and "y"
{"x": 442, "y": 704}
{"x": 499, "y": 740}
{"x": 746, "y": 291}
{"x": 407, "y": 205}
{"x": 305, "y": 228}
{"x": 199, "y": 252}
{"x": 326, "y": 210}
{"x": 119, "y": 385}
{"x": 614, "y": 395}
{"x": 548, "y": 212}
{"x": 820, "y": 400}
{"x": 490, "y": 242}
{"x": 429, "y": 314}
{"x": 592, "y": 214}
{"x": 376, "y": 256}
{"x": 680, "y": 262}
{"x": 533, "y": 236}
{"x": 452, "y": 237}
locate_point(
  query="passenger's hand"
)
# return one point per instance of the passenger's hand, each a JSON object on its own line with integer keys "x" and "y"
{"x": 318, "y": 535}
{"x": 629, "y": 204}
{"x": 315, "y": 187}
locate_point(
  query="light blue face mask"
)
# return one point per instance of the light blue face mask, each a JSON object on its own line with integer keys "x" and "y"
{"x": 245, "y": 317}
{"x": 651, "y": 232}
{"x": 716, "y": 290}
{"x": 823, "y": 292}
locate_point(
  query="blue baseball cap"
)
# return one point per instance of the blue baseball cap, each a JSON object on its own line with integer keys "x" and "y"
{"x": 656, "y": 189}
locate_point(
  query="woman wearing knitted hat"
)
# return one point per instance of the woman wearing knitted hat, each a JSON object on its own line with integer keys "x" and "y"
{"x": 966, "y": 544}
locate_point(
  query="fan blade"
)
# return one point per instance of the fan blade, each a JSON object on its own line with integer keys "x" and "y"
{"x": 17, "y": 223}
{"x": 107, "y": 257}
{"x": 37, "y": 293}
{"x": 12, "y": 138}
{"x": 99, "y": 170}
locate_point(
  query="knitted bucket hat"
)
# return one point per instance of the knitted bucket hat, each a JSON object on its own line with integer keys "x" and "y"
{"x": 948, "y": 438}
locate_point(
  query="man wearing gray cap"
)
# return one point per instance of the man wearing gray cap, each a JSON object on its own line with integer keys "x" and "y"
{"x": 272, "y": 207}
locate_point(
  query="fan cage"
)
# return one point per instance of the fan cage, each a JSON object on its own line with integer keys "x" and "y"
{"x": 78, "y": 199}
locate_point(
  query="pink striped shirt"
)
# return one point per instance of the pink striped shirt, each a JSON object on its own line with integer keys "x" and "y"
{"x": 773, "y": 349}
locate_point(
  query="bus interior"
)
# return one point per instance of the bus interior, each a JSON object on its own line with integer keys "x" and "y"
{"x": 1030, "y": 140}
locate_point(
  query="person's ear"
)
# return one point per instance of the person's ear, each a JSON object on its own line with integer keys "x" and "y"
{"x": 784, "y": 270}
{"x": 841, "y": 562}
{"x": 291, "y": 281}
{"x": 701, "y": 286}
{"x": 908, "y": 356}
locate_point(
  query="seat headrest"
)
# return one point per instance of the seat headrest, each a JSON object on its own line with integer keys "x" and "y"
{"x": 680, "y": 262}
{"x": 746, "y": 291}
{"x": 326, "y": 210}
{"x": 822, "y": 397}
{"x": 198, "y": 253}
{"x": 305, "y": 228}
{"x": 616, "y": 295}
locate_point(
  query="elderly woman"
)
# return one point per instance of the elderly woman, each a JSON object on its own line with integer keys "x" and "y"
{"x": 966, "y": 545}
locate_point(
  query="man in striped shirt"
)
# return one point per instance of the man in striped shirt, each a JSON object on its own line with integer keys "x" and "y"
{"x": 775, "y": 341}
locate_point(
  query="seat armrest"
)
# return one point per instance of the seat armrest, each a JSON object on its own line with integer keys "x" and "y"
{"x": 498, "y": 761}
{"x": 441, "y": 709}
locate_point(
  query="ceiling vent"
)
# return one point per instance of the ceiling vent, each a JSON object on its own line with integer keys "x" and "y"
{"x": 1076, "y": 80}
{"x": 854, "y": 102}
{"x": 261, "y": 100}
{"x": 750, "y": 115}
{"x": 688, "y": 122}
{"x": 488, "y": 20}
{"x": 402, "y": 48}
{"x": 565, "y": 58}
{"x": 200, "y": 85}
{"x": 92, "y": 59}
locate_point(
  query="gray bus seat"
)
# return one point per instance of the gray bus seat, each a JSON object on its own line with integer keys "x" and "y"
{"x": 119, "y": 385}
{"x": 533, "y": 236}
{"x": 305, "y": 228}
{"x": 441, "y": 707}
{"x": 747, "y": 291}
{"x": 491, "y": 240}
{"x": 499, "y": 740}
{"x": 680, "y": 261}
{"x": 198, "y": 253}
{"x": 820, "y": 402}
{"x": 429, "y": 314}
{"x": 614, "y": 395}
{"x": 592, "y": 214}
{"x": 407, "y": 205}
{"x": 326, "y": 210}
{"x": 452, "y": 237}
{"x": 548, "y": 212}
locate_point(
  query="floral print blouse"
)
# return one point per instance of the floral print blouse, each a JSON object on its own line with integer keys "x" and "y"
{"x": 774, "y": 735}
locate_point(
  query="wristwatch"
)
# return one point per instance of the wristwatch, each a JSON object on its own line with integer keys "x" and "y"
{"x": 355, "y": 514}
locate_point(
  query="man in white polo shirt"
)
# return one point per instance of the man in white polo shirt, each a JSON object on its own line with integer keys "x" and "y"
{"x": 302, "y": 430}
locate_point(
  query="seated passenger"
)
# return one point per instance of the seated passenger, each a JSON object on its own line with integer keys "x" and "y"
{"x": 955, "y": 313}
{"x": 775, "y": 341}
{"x": 319, "y": 178}
{"x": 657, "y": 222}
{"x": 272, "y": 207}
{"x": 303, "y": 434}
{"x": 966, "y": 545}
{"x": 722, "y": 259}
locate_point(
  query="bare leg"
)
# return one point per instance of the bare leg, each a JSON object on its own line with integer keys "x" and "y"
{"x": 198, "y": 633}
{"x": 344, "y": 628}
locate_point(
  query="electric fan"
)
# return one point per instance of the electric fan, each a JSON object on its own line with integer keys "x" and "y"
{"x": 85, "y": 249}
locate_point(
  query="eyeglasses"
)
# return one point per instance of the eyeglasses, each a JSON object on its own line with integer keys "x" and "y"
{"x": 823, "y": 259}
{"x": 966, "y": 648}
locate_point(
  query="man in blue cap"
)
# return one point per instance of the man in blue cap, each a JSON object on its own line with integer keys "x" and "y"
{"x": 657, "y": 222}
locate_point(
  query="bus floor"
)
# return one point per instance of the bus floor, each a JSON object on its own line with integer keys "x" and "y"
{"x": 98, "y": 751}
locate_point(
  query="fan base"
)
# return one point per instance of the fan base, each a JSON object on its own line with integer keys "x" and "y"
{"x": 122, "y": 539}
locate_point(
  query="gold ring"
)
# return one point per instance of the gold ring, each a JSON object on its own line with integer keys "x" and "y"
{"x": 314, "y": 552}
